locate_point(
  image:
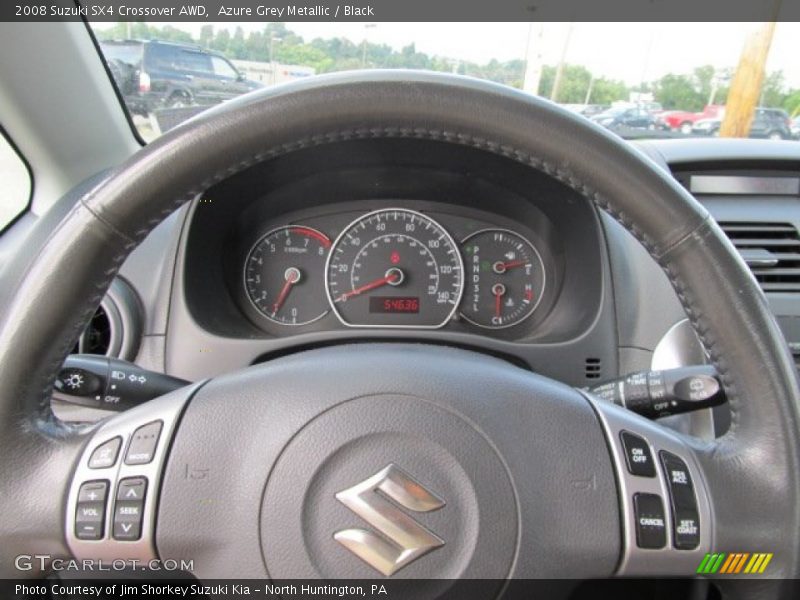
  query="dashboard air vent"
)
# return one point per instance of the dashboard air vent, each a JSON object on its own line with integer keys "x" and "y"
{"x": 771, "y": 250}
{"x": 593, "y": 368}
{"x": 115, "y": 328}
{"x": 97, "y": 337}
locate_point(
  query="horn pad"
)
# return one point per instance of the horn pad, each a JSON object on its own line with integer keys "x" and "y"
{"x": 410, "y": 454}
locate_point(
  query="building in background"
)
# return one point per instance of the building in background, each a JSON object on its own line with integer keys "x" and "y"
{"x": 263, "y": 71}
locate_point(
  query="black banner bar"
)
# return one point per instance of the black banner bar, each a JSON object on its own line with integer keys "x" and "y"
{"x": 390, "y": 589}
{"x": 232, "y": 11}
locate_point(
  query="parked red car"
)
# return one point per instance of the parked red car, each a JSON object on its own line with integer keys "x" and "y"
{"x": 682, "y": 121}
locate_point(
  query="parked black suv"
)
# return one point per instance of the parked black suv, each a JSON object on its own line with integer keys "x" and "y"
{"x": 772, "y": 123}
{"x": 152, "y": 75}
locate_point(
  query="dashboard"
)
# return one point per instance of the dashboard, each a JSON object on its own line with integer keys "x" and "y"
{"x": 393, "y": 236}
{"x": 403, "y": 240}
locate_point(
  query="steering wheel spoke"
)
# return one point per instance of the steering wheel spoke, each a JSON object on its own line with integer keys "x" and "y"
{"x": 112, "y": 500}
{"x": 666, "y": 513}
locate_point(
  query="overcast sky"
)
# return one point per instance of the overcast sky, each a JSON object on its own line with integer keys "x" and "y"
{"x": 631, "y": 52}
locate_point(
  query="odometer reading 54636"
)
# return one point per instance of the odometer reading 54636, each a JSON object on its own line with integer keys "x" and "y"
{"x": 389, "y": 304}
{"x": 394, "y": 268}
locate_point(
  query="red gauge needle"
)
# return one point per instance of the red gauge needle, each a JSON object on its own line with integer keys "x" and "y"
{"x": 392, "y": 277}
{"x": 292, "y": 276}
{"x": 498, "y": 290}
{"x": 502, "y": 267}
{"x": 514, "y": 263}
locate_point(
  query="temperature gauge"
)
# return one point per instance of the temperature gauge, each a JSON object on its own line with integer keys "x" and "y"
{"x": 504, "y": 276}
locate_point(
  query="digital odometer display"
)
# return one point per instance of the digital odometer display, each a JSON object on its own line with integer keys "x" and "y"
{"x": 396, "y": 305}
{"x": 394, "y": 268}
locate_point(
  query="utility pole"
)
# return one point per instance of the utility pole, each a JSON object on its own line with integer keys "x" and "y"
{"x": 646, "y": 64}
{"x": 560, "y": 68}
{"x": 714, "y": 88}
{"x": 747, "y": 82}
{"x": 533, "y": 60}
{"x": 272, "y": 40}
{"x": 589, "y": 91}
{"x": 367, "y": 26}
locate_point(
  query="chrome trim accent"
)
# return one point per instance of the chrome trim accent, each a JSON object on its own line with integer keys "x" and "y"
{"x": 166, "y": 409}
{"x": 637, "y": 561}
{"x": 744, "y": 185}
{"x": 435, "y": 223}
{"x": 403, "y": 540}
{"x": 680, "y": 347}
{"x": 758, "y": 257}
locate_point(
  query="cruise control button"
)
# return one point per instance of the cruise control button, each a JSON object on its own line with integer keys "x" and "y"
{"x": 679, "y": 481}
{"x": 685, "y": 517}
{"x": 686, "y": 529}
{"x": 128, "y": 520}
{"x": 637, "y": 455}
{"x": 105, "y": 455}
{"x": 143, "y": 444}
{"x": 651, "y": 528}
{"x": 93, "y": 491}
{"x": 132, "y": 488}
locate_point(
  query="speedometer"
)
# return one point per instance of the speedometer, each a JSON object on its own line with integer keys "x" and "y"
{"x": 394, "y": 268}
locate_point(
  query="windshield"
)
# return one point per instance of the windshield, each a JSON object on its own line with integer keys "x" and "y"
{"x": 128, "y": 53}
{"x": 674, "y": 74}
{"x": 613, "y": 112}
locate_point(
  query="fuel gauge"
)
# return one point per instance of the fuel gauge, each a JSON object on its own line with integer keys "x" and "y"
{"x": 504, "y": 276}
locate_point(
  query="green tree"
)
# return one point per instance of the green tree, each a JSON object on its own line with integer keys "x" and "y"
{"x": 237, "y": 47}
{"x": 606, "y": 91}
{"x": 773, "y": 91}
{"x": 206, "y": 36}
{"x": 792, "y": 102}
{"x": 678, "y": 92}
{"x": 221, "y": 41}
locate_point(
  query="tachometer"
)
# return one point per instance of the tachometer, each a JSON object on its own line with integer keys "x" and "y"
{"x": 505, "y": 278}
{"x": 283, "y": 275}
{"x": 394, "y": 268}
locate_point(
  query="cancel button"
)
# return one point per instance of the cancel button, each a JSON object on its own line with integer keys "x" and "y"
{"x": 651, "y": 528}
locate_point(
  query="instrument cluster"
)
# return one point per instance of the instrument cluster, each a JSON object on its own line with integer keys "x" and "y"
{"x": 394, "y": 268}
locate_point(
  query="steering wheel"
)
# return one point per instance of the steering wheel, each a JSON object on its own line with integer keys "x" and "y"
{"x": 396, "y": 460}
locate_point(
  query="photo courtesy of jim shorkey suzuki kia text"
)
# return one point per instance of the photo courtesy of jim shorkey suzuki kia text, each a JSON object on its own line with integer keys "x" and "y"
{"x": 195, "y": 590}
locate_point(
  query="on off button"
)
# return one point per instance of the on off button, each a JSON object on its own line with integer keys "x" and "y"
{"x": 637, "y": 455}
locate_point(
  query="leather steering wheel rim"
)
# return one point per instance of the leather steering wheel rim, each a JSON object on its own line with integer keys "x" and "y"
{"x": 754, "y": 465}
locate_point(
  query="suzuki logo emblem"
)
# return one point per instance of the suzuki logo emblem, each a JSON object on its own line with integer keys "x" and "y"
{"x": 402, "y": 539}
